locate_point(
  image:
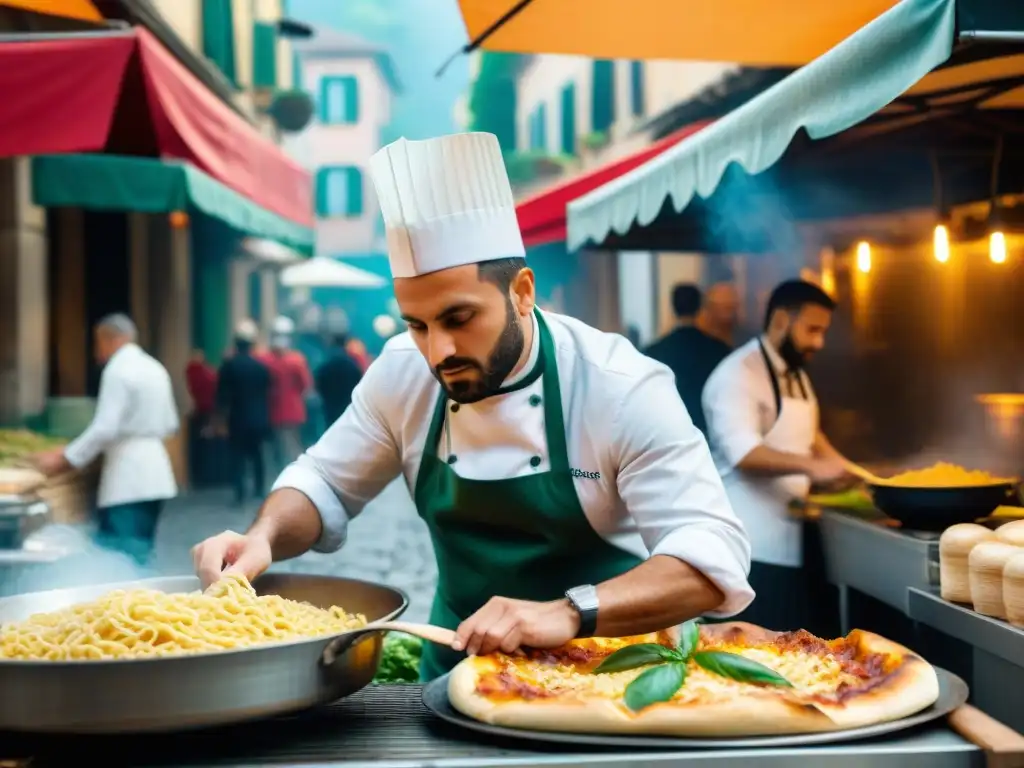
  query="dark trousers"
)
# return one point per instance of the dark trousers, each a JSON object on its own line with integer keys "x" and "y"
{"x": 130, "y": 528}
{"x": 246, "y": 451}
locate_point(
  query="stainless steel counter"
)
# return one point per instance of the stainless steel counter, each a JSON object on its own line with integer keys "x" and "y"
{"x": 388, "y": 727}
{"x": 863, "y": 554}
{"x": 997, "y": 649}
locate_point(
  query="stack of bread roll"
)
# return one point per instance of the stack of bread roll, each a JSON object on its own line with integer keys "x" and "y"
{"x": 984, "y": 568}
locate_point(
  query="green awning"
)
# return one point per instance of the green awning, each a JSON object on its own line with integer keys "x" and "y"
{"x": 148, "y": 185}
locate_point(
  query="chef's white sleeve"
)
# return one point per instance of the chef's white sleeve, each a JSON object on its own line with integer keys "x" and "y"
{"x": 106, "y": 422}
{"x": 671, "y": 489}
{"x": 732, "y": 414}
{"x": 350, "y": 465}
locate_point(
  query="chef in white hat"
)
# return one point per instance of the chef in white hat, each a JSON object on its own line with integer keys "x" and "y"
{"x": 565, "y": 487}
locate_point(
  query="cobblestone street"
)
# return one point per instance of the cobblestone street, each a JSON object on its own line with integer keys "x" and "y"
{"x": 387, "y": 543}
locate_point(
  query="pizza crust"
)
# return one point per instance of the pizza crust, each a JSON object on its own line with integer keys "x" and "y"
{"x": 911, "y": 688}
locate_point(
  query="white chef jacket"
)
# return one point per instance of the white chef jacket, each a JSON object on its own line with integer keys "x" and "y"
{"x": 739, "y": 402}
{"x": 135, "y": 413}
{"x": 643, "y": 473}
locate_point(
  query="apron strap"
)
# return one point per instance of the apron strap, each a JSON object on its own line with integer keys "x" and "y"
{"x": 773, "y": 377}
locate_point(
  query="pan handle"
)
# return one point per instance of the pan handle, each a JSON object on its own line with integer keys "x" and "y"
{"x": 342, "y": 643}
{"x": 339, "y": 645}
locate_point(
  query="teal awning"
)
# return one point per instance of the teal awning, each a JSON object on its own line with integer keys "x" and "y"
{"x": 854, "y": 80}
{"x": 148, "y": 185}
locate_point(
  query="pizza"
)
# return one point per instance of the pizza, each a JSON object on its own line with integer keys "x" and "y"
{"x": 714, "y": 680}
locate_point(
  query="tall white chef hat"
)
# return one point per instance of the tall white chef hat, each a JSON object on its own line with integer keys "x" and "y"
{"x": 446, "y": 202}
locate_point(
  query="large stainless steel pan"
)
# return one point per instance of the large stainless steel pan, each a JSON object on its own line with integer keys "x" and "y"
{"x": 139, "y": 695}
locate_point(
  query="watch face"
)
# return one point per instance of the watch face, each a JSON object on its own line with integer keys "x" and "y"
{"x": 584, "y": 597}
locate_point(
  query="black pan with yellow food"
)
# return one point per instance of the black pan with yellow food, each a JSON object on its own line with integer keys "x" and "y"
{"x": 942, "y": 495}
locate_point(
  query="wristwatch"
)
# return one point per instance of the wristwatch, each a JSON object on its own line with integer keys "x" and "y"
{"x": 584, "y": 600}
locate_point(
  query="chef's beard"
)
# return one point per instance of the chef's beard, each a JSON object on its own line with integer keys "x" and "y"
{"x": 791, "y": 355}
{"x": 503, "y": 358}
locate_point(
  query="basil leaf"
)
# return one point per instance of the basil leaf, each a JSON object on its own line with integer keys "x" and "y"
{"x": 689, "y": 637}
{"x": 739, "y": 668}
{"x": 655, "y": 684}
{"x": 633, "y": 656}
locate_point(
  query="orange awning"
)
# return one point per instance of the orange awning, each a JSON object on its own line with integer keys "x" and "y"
{"x": 751, "y": 32}
{"x": 83, "y": 10}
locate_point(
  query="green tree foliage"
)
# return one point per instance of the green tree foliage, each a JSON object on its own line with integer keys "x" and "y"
{"x": 492, "y": 98}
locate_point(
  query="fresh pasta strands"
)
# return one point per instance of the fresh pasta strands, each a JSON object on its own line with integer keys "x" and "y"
{"x": 147, "y": 623}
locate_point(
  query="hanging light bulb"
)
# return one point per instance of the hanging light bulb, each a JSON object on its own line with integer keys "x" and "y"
{"x": 997, "y": 247}
{"x": 864, "y": 256}
{"x": 941, "y": 243}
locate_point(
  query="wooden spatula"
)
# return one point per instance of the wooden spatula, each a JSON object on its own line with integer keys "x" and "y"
{"x": 428, "y": 632}
{"x": 866, "y": 475}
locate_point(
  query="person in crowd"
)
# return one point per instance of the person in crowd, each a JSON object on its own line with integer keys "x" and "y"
{"x": 766, "y": 440}
{"x": 336, "y": 378}
{"x": 565, "y": 487}
{"x": 688, "y": 351}
{"x": 135, "y": 414}
{"x": 357, "y": 351}
{"x": 720, "y": 312}
{"x": 201, "y": 382}
{"x": 290, "y": 381}
{"x": 243, "y": 410}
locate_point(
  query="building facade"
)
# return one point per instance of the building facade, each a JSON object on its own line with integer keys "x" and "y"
{"x": 352, "y": 83}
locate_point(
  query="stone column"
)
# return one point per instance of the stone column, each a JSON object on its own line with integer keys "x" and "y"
{"x": 24, "y": 296}
{"x": 268, "y": 294}
{"x": 138, "y": 259}
{"x": 239, "y": 277}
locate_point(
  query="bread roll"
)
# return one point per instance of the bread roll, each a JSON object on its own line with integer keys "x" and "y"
{"x": 1011, "y": 533}
{"x": 1013, "y": 589}
{"x": 985, "y": 572}
{"x": 955, "y": 546}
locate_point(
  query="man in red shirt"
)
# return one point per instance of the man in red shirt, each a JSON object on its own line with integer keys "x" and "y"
{"x": 201, "y": 381}
{"x": 290, "y": 381}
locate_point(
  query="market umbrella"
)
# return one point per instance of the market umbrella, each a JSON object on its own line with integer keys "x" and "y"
{"x": 321, "y": 271}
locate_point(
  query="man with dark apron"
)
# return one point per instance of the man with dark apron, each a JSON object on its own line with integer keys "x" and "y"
{"x": 764, "y": 433}
{"x": 564, "y": 485}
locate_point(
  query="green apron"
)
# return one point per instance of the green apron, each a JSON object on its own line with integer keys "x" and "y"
{"x": 525, "y": 537}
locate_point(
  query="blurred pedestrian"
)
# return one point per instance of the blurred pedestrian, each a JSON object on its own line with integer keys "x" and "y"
{"x": 243, "y": 408}
{"x": 201, "y": 381}
{"x": 290, "y": 381}
{"x": 335, "y": 379}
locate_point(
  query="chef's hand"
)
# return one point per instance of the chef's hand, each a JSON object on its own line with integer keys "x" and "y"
{"x": 230, "y": 552}
{"x": 827, "y": 470}
{"x": 505, "y": 624}
{"x": 51, "y": 462}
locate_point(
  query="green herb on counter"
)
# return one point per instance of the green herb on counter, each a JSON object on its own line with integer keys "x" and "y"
{"x": 400, "y": 660}
{"x": 668, "y": 668}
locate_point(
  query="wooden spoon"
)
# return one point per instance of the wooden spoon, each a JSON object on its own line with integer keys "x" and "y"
{"x": 346, "y": 640}
{"x": 859, "y": 472}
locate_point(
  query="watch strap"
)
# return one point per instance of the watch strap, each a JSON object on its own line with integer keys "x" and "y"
{"x": 584, "y": 602}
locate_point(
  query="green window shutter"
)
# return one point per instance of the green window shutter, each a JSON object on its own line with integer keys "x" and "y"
{"x": 542, "y": 127}
{"x": 321, "y": 192}
{"x": 351, "y": 100}
{"x": 219, "y": 36}
{"x": 355, "y": 192}
{"x": 569, "y": 119}
{"x": 296, "y": 71}
{"x": 636, "y": 81}
{"x": 603, "y": 105}
{"x": 264, "y": 55}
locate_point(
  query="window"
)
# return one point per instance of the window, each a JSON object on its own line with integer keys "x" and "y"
{"x": 339, "y": 100}
{"x": 264, "y": 55}
{"x": 602, "y": 113}
{"x": 636, "y": 87}
{"x": 539, "y": 128}
{"x": 569, "y": 119}
{"x": 219, "y": 36}
{"x": 339, "y": 192}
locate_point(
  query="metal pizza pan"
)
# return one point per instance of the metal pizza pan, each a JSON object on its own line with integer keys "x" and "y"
{"x": 952, "y": 694}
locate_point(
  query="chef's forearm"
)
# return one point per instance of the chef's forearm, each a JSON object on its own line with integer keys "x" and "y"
{"x": 823, "y": 448}
{"x": 763, "y": 460}
{"x": 290, "y": 522}
{"x": 659, "y": 593}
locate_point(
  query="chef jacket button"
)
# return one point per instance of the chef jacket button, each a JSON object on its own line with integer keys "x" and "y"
{"x": 455, "y": 407}
{"x": 535, "y": 461}
{"x": 452, "y": 459}
{"x": 534, "y": 400}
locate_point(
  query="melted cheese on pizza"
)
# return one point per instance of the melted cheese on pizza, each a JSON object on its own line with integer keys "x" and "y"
{"x": 826, "y": 670}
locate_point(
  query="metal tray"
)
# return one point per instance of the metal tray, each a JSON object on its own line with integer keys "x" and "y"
{"x": 952, "y": 694}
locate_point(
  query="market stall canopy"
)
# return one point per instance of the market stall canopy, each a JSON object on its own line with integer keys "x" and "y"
{"x": 82, "y": 10}
{"x": 148, "y": 185}
{"x": 888, "y": 69}
{"x": 321, "y": 271}
{"x": 542, "y": 216}
{"x": 67, "y": 95}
